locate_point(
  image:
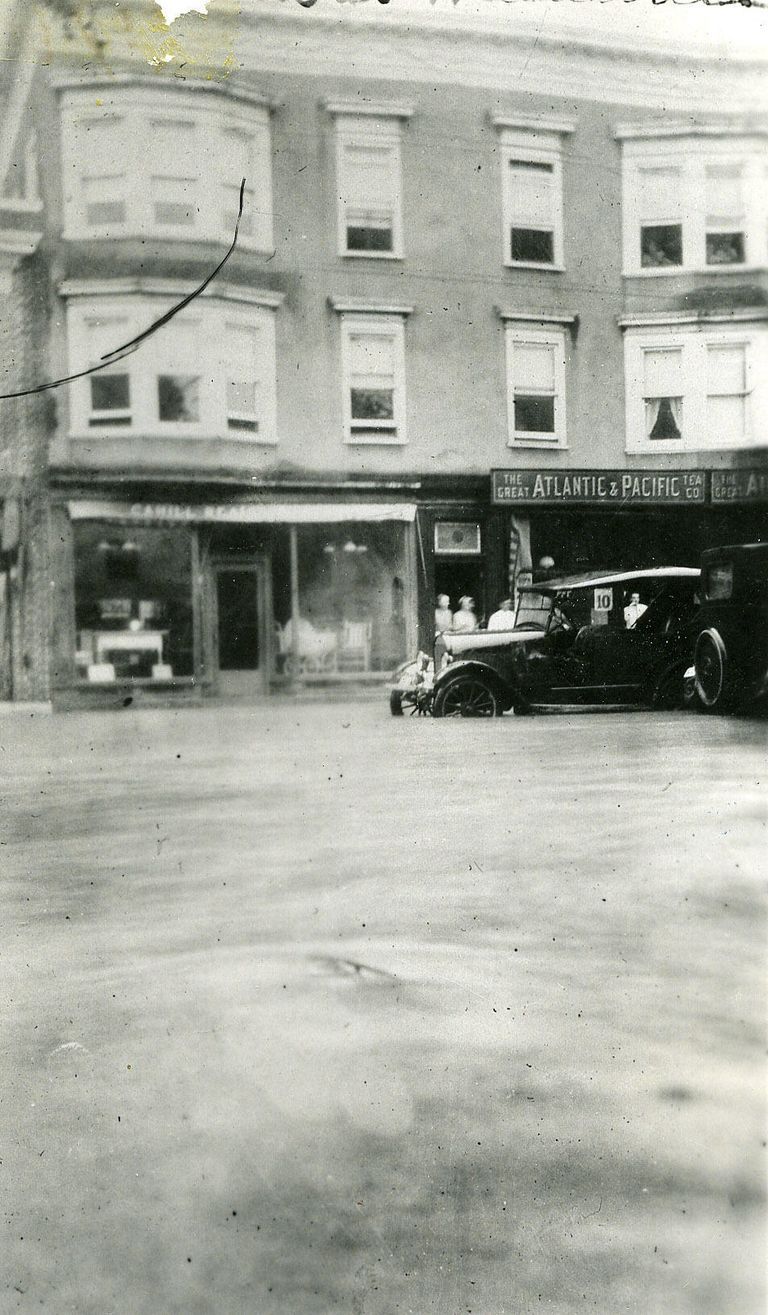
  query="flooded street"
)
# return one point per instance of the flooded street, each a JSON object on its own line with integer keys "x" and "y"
{"x": 310, "y": 1010}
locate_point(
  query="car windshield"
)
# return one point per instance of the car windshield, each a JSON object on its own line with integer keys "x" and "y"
{"x": 533, "y": 609}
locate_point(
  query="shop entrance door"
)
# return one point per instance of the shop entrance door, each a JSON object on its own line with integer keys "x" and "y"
{"x": 243, "y": 656}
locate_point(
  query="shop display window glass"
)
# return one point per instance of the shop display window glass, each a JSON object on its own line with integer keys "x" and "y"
{"x": 352, "y": 600}
{"x": 133, "y": 602}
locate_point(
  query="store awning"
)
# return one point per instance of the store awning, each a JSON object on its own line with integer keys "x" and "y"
{"x": 240, "y": 513}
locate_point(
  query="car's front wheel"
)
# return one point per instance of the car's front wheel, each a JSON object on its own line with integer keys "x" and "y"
{"x": 711, "y": 671}
{"x": 467, "y": 696}
{"x": 396, "y": 702}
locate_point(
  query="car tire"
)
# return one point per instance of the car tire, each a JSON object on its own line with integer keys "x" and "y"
{"x": 396, "y": 703}
{"x": 711, "y": 663}
{"x": 467, "y": 696}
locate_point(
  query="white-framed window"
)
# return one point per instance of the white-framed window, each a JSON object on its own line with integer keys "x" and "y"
{"x": 532, "y": 192}
{"x": 696, "y": 387}
{"x": 137, "y": 161}
{"x": 369, "y": 185}
{"x": 693, "y": 203}
{"x": 373, "y": 378}
{"x": 536, "y": 386}
{"x": 209, "y": 373}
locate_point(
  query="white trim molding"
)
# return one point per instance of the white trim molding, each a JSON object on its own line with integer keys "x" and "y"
{"x": 537, "y": 123}
{"x": 736, "y": 126}
{"x": 361, "y": 306}
{"x": 672, "y": 318}
{"x": 18, "y": 242}
{"x": 173, "y": 83}
{"x": 149, "y": 287}
{"x": 380, "y": 109}
{"x": 535, "y": 317}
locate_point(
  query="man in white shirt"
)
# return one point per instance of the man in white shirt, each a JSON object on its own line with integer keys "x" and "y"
{"x": 504, "y": 617}
{"x": 633, "y": 611}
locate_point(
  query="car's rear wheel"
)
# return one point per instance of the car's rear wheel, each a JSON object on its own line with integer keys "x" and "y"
{"x": 467, "y": 696}
{"x": 711, "y": 663}
{"x": 396, "y": 702}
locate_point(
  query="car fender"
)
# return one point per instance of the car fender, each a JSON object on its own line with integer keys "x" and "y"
{"x": 676, "y": 668}
{"x": 507, "y": 692}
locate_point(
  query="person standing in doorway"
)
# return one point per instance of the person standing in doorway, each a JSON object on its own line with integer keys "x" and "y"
{"x": 465, "y": 620}
{"x": 443, "y": 614}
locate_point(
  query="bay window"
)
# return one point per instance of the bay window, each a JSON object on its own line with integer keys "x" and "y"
{"x": 209, "y": 372}
{"x": 142, "y": 161}
{"x": 692, "y": 201}
{"x": 691, "y": 387}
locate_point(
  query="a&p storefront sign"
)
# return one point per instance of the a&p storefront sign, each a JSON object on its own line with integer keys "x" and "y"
{"x": 627, "y": 488}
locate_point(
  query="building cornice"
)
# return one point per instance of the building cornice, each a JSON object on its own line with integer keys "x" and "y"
{"x": 666, "y": 319}
{"x": 381, "y": 109}
{"x": 220, "y": 291}
{"x": 361, "y": 306}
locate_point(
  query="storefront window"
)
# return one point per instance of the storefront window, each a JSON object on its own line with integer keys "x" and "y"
{"x": 352, "y": 600}
{"x": 133, "y": 603}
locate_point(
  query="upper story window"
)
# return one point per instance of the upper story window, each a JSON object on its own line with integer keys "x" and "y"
{"x": 373, "y": 373}
{"x": 369, "y": 178}
{"x": 536, "y": 356}
{"x": 209, "y": 373}
{"x": 692, "y": 387}
{"x": 139, "y": 160}
{"x": 692, "y": 202}
{"x": 532, "y": 190}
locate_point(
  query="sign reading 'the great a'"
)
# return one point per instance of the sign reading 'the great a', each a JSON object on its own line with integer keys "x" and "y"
{"x": 602, "y": 487}
{"x": 746, "y": 485}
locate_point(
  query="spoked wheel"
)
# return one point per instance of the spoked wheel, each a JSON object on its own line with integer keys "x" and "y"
{"x": 468, "y": 697}
{"x": 711, "y": 670}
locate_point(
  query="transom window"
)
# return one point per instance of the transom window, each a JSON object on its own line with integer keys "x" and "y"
{"x": 166, "y": 164}
{"x": 373, "y": 362}
{"x": 208, "y": 373}
{"x": 536, "y": 386}
{"x": 693, "y": 203}
{"x": 689, "y": 389}
{"x": 369, "y": 183}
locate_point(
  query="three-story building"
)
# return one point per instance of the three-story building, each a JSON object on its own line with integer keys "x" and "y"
{"x": 487, "y": 305}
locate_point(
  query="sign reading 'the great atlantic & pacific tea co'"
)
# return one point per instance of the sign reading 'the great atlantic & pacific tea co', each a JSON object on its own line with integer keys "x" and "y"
{"x": 602, "y": 487}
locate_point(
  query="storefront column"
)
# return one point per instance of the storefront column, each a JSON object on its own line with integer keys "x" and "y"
{"x": 293, "y": 543}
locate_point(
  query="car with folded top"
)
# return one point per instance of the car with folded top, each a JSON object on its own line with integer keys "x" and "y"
{"x": 621, "y": 638}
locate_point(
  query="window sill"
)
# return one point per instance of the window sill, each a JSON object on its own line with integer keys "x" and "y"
{"x": 667, "y": 271}
{"x": 381, "y": 441}
{"x": 538, "y": 444}
{"x": 534, "y": 264}
{"x": 372, "y": 255}
{"x": 687, "y": 449}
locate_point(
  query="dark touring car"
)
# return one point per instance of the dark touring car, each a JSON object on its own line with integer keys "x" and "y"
{"x": 731, "y": 651}
{"x": 623, "y": 638}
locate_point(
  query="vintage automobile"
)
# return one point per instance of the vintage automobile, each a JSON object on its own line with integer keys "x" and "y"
{"x": 623, "y": 638}
{"x": 731, "y": 651}
{"x": 411, "y": 687}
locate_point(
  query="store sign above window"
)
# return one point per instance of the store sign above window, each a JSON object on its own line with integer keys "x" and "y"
{"x": 620, "y": 488}
{"x": 739, "y": 486}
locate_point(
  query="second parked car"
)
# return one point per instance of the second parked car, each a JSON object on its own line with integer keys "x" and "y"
{"x": 624, "y": 638}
